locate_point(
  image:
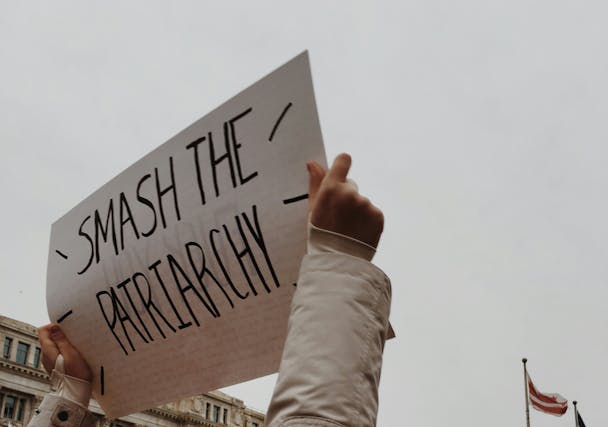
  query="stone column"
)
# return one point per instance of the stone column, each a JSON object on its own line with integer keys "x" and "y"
{"x": 14, "y": 346}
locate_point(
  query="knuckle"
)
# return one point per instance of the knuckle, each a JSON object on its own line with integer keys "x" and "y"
{"x": 380, "y": 220}
{"x": 330, "y": 189}
{"x": 339, "y": 195}
{"x": 364, "y": 202}
{"x": 376, "y": 215}
{"x": 350, "y": 196}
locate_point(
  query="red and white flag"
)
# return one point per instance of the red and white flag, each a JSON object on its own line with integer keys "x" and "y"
{"x": 550, "y": 403}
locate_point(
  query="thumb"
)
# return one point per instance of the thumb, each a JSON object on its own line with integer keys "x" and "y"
{"x": 316, "y": 173}
{"x": 339, "y": 169}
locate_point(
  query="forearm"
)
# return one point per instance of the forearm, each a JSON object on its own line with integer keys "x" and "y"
{"x": 332, "y": 358}
{"x": 67, "y": 404}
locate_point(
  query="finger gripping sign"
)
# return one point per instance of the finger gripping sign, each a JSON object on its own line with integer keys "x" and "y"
{"x": 175, "y": 278}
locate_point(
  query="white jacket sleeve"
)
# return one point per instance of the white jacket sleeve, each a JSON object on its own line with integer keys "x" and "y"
{"x": 66, "y": 405}
{"x": 332, "y": 358}
{"x": 61, "y": 412}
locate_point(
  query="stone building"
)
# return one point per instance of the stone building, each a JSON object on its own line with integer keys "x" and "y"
{"x": 24, "y": 382}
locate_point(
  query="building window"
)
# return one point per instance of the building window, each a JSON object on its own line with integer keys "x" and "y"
{"x": 207, "y": 407}
{"x": 254, "y": 424}
{"x": 9, "y": 407}
{"x": 20, "y": 407}
{"x": 7, "y": 347}
{"x": 22, "y": 350}
{"x": 216, "y": 413}
{"x": 224, "y": 415}
{"x": 12, "y": 407}
{"x": 37, "y": 357}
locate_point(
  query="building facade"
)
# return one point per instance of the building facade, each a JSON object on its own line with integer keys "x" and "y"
{"x": 24, "y": 383}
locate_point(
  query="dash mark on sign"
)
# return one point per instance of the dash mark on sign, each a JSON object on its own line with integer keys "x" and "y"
{"x": 65, "y": 315}
{"x": 295, "y": 199}
{"x": 276, "y": 125}
{"x": 102, "y": 381}
{"x": 62, "y": 255}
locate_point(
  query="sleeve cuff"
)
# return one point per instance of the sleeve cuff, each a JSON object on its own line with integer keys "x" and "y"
{"x": 325, "y": 241}
{"x": 68, "y": 387}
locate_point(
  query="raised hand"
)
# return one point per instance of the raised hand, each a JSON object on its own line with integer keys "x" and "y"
{"x": 54, "y": 342}
{"x": 336, "y": 205}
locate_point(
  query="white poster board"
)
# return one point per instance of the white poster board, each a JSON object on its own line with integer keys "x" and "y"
{"x": 175, "y": 277}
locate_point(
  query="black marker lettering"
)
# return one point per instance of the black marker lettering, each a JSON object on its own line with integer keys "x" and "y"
{"x": 102, "y": 381}
{"x": 104, "y": 232}
{"x": 124, "y": 205}
{"x": 253, "y": 259}
{"x": 174, "y": 265}
{"x": 148, "y": 203}
{"x": 123, "y": 316}
{"x": 161, "y": 192}
{"x": 86, "y": 236}
{"x": 236, "y": 146}
{"x": 259, "y": 238}
{"x": 154, "y": 267}
{"x": 216, "y": 161}
{"x": 239, "y": 256}
{"x": 199, "y": 178}
{"x": 202, "y": 271}
{"x": 295, "y": 199}
{"x": 149, "y": 304}
{"x": 123, "y": 287}
{"x": 111, "y": 323}
{"x": 248, "y": 252}
{"x": 64, "y": 316}
{"x": 221, "y": 264}
{"x": 276, "y": 125}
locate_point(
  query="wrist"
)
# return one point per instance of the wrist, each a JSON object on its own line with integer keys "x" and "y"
{"x": 74, "y": 389}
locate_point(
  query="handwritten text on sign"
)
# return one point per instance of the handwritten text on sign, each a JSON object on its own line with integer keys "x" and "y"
{"x": 175, "y": 277}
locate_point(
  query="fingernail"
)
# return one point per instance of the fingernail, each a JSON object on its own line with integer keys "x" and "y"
{"x": 55, "y": 331}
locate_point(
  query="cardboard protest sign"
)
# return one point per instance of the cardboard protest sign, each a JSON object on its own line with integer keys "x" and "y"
{"x": 175, "y": 277}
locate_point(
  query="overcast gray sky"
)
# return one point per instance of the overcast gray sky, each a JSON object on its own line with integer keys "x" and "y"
{"x": 479, "y": 127}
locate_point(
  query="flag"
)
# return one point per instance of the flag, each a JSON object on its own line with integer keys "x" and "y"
{"x": 579, "y": 420}
{"x": 549, "y": 403}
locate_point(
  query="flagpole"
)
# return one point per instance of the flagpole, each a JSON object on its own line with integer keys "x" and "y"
{"x": 524, "y": 360}
{"x": 575, "y": 413}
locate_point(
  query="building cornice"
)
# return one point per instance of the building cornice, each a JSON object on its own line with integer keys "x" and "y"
{"x": 23, "y": 370}
{"x": 182, "y": 417}
{"x": 20, "y": 327}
